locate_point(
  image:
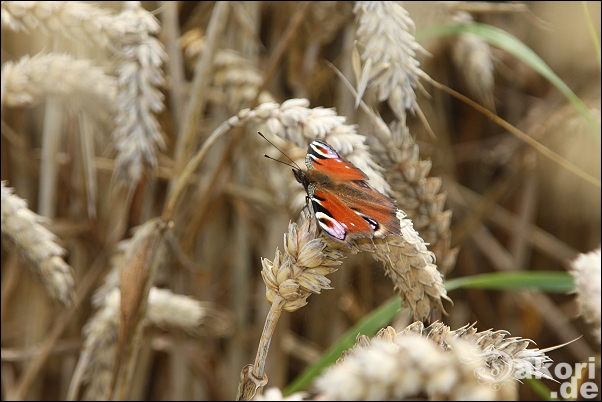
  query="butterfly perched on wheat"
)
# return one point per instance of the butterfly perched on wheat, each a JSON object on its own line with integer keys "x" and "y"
{"x": 345, "y": 206}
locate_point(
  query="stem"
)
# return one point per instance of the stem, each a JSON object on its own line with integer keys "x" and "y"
{"x": 192, "y": 165}
{"x": 282, "y": 46}
{"x": 520, "y": 135}
{"x": 266, "y": 337}
{"x": 252, "y": 377}
{"x": 198, "y": 90}
{"x": 59, "y": 326}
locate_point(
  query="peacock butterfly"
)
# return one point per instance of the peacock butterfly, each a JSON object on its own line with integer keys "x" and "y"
{"x": 345, "y": 206}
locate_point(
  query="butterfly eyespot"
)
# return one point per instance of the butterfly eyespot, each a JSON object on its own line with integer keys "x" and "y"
{"x": 331, "y": 226}
{"x": 373, "y": 223}
{"x": 318, "y": 149}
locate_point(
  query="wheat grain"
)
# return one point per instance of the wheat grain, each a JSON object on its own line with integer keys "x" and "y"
{"x": 390, "y": 64}
{"x": 303, "y": 267}
{"x": 73, "y": 19}
{"x": 586, "y": 271}
{"x": 100, "y": 333}
{"x": 234, "y": 81}
{"x": 404, "y": 366}
{"x": 138, "y": 60}
{"x": 472, "y": 56}
{"x": 37, "y": 246}
{"x": 78, "y": 83}
{"x": 417, "y": 194}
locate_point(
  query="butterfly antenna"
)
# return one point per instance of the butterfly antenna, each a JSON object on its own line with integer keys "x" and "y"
{"x": 294, "y": 165}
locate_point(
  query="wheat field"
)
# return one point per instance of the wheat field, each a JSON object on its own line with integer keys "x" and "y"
{"x": 150, "y": 250}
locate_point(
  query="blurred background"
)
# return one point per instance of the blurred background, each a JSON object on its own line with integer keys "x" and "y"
{"x": 513, "y": 209}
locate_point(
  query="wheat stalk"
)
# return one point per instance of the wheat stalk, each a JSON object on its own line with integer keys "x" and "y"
{"x": 290, "y": 279}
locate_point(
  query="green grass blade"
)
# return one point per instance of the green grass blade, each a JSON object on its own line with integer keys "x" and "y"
{"x": 518, "y": 49}
{"x": 592, "y": 32}
{"x": 540, "y": 388}
{"x": 551, "y": 282}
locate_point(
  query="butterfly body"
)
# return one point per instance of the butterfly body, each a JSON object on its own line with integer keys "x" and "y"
{"x": 344, "y": 204}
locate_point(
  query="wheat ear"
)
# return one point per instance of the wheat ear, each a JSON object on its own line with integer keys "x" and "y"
{"x": 457, "y": 365}
{"x": 138, "y": 59}
{"x": 473, "y": 58}
{"x": 234, "y": 80}
{"x": 586, "y": 271}
{"x": 36, "y": 245}
{"x": 103, "y": 334}
{"x": 390, "y": 64}
{"x": 290, "y": 278}
{"x": 78, "y": 83}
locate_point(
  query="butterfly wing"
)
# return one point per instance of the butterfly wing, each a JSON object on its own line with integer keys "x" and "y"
{"x": 375, "y": 208}
{"x": 336, "y": 218}
{"x": 345, "y": 206}
{"x": 323, "y": 158}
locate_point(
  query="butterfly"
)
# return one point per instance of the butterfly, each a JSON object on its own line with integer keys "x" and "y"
{"x": 345, "y": 206}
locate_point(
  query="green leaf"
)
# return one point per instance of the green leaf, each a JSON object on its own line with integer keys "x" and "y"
{"x": 540, "y": 388}
{"x": 553, "y": 282}
{"x": 503, "y": 40}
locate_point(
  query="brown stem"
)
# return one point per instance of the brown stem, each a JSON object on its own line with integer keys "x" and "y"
{"x": 198, "y": 90}
{"x": 283, "y": 44}
{"x": 253, "y": 377}
{"x": 266, "y": 337}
